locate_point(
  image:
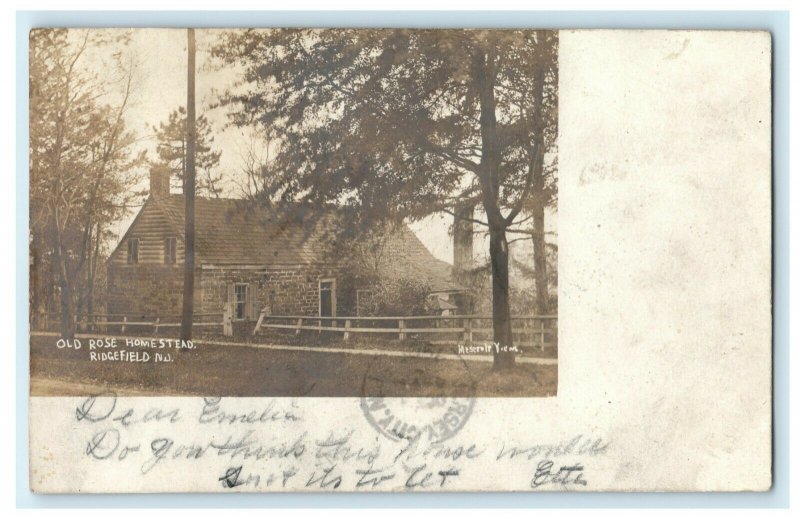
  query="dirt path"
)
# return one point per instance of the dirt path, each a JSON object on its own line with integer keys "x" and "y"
{"x": 41, "y": 386}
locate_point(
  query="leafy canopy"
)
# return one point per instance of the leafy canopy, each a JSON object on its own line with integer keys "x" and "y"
{"x": 389, "y": 121}
{"x": 171, "y": 150}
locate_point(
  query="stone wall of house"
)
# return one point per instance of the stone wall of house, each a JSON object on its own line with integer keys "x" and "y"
{"x": 147, "y": 290}
{"x": 157, "y": 290}
{"x": 284, "y": 290}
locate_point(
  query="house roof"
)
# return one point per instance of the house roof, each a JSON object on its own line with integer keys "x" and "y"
{"x": 415, "y": 261}
{"x": 231, "y": 231}
{"x": 235, "y": 232}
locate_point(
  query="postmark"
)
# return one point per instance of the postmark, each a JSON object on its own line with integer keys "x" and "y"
{"x": 433, "y": 420}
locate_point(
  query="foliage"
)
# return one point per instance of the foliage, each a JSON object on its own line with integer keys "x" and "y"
{"x": 171, "y": 150}
{"x": 524, "y": 296}
{"x": 399, "y": 124}
{"x": 83, "y": 162}
{"x": 390, "y": 296}
{"x": 389, "y": 120}
{"x": 367, "y": 256}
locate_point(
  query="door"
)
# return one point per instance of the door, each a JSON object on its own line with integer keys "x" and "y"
{"x": 327, "y": 298}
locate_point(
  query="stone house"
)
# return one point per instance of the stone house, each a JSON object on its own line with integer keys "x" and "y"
{"x": 281, "y": 260}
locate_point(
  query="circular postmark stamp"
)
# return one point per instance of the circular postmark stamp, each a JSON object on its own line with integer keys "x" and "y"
{"x": 435, "y": 419}
{"x": 432, "y": 419}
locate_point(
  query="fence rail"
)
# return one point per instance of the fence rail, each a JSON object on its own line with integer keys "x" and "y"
{"x": 527, "y": 330}
{"x": 540, "y": 330}
{"x": 94, "y": 322}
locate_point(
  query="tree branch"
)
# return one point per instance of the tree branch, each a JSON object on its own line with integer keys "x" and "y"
{"x": 473, "y": 220}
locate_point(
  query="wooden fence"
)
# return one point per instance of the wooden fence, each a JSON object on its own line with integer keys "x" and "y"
{"x": 539, "y": 330}
{"x": 528, "y": 330}
{"x": 127, "y": 322}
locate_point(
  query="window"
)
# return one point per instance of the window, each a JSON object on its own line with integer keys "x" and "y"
{"x": 170, "y": 250}
{"x": 240, "y": 302}
{"x": 133, "y": 251}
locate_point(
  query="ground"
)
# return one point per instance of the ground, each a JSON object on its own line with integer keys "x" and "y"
{"x": 249, "y": 370}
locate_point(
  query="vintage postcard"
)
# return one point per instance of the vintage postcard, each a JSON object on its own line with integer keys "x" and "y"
{"x": 326, "y": 260}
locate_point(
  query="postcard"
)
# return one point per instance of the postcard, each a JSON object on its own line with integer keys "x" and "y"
{"x": 399, "y": 260}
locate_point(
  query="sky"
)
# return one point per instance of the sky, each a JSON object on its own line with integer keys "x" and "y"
{"x": 160, "y": 81}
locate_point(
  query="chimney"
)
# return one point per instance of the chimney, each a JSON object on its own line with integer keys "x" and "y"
{"x": 159, "y": 181}
{"x": 462, "y": 238}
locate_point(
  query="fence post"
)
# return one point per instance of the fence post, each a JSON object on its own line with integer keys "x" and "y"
{"x": 542, "y": 330}
{"x": 468, "y": 331}
{"x": 124, "y": 320}
{"x": 555, "y": 332}
{"x": 347, "y": 329}
{"x": 299, "y": 326}
{"x": 227, "y": 320}
{"x": 401, "y": 325}
{"x": 155, "y": 325}
{"x": 260, "y": 320}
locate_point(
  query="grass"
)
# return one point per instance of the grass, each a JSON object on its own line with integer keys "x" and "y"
{"x": 360, "y": 341}
{"x": 235, "y": 371}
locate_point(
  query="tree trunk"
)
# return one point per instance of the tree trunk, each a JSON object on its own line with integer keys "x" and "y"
{"x": 501, "y": 308}
{"x": 188, "y": 194}
{"x": 36, "y": 296}
{"x": 66, "y": 303}
{"x": 540, "y": 262}
{"x": 490, "y": 192}
{"x": 92, "y": 271}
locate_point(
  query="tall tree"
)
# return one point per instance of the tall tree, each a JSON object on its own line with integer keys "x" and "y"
{"x": 543, "y": 195}
{"x": 188, "y": 194}
{"x": 403, "y": 123}
{"x": 82, "y": 162}
{"x": 171, "y": 149}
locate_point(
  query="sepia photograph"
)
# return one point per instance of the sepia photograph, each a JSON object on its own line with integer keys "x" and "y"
{"x": 341, "y": 258}
{"x": 294, "y": 212}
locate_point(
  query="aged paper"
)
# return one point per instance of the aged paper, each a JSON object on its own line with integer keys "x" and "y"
{"x": 645, "y": 365}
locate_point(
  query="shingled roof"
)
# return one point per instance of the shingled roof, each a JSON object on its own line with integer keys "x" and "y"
{"x": 235, "y": 232}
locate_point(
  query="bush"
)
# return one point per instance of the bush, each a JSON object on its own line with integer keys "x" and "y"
{"x": 389, "y": 297}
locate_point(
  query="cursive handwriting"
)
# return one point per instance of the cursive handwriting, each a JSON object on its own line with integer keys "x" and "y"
{"x": 578, "y": 445}
{"x": 565, "y": 475}
{"x": 265, "y": 443}
{"x": 212, "y": 413}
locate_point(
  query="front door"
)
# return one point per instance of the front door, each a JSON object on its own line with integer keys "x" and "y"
{"x": 327, "y": 298}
